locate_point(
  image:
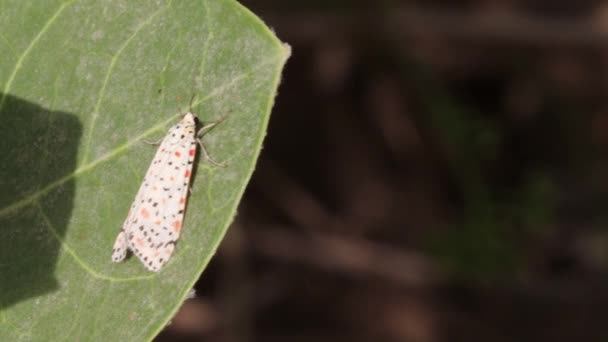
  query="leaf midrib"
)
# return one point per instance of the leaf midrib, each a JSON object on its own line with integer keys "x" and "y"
{"x": 122, "y": 148}
{"x": 100, "y": 96}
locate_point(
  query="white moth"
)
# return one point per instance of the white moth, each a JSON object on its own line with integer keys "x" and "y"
{"x": 155, "y": 219}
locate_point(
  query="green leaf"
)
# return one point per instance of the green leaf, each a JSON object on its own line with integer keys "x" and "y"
{"x": 82, "y": 83}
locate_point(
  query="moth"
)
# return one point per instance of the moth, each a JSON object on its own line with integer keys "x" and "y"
{"x": 155, "y": 219}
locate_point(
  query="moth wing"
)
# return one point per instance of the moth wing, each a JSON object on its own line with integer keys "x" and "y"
{"x": 119, "y": 251}
{"x": 121, "y": 244}
{"x": 159, "y": 211}
{"x": 155, "y": 218}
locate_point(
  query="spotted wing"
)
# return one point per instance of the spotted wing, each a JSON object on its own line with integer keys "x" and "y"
{"x": 155, "y": 219}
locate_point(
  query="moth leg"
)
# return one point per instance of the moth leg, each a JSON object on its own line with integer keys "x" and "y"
{"x": 206, "y": 154}
{"x": 208, "y": 127}
{"x": 201, "y": 132}
{"x": 153, "y": 143}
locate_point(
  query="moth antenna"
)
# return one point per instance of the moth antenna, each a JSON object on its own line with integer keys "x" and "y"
{"x": 191, "y": 100}
{"x": 179, "y": 108}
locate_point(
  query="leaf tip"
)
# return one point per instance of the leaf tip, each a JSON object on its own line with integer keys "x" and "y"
{"x": 286, "y": 51}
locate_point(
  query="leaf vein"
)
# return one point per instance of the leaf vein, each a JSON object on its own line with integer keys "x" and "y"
{"x": 19, "y": 64}
{"x": 207, "y": 41}
{"x": 102, "y": 90}
{"x": 120, "y": 149}
{"x": 74, "y": 255}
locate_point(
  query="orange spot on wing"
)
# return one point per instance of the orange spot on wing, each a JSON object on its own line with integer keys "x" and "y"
{"x": 144, "y": 213}
{"x": 139, "y": 242}
{"x": 157, "y": 222}
{"x": 177, "y": 225}
{"x": 177, "y": 154}
{"x": 171, "y": 178}
{"x": 191, "y": 152}
{"x": 182, "y": 200}
{"x": 187, "y": 173}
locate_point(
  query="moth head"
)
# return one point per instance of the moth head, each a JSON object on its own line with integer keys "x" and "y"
{"x": 189, "y": 119}
{"x": 185, "y": 129}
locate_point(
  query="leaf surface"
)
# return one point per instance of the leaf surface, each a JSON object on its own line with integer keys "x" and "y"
{"x": 82, "y": 83}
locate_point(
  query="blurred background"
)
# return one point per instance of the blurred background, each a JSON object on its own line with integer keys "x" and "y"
{"x": 433, "y": 171}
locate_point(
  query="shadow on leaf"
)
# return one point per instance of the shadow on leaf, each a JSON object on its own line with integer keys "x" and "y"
{"x": 37, "y": 150}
